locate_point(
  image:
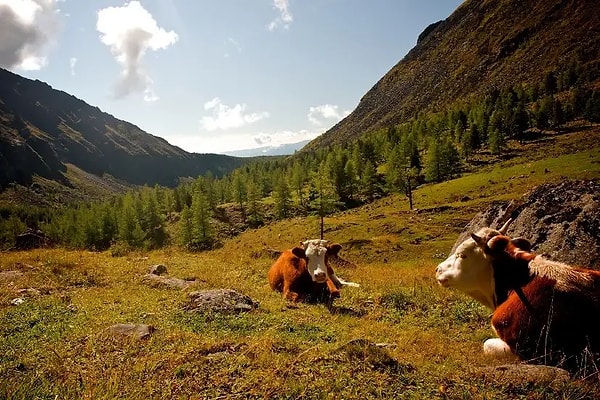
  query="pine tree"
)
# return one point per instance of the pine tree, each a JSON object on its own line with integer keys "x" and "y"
{"x": 283, "y": 198}
{"x": 325, "y": 197}
{"x": 156, "y": 235}
{"x": 240, "y": 195}
{"x": 202, "y": 232}
{"x": 254, "y": 196}
{"x": 186, "y": 227}
{"x": 496, "y": 141}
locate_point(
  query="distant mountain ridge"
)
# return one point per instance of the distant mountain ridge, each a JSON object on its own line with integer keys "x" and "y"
{"x": 281, "y": 150}
{"x": 484, "y": 45}
{"x": 43, "y": 129}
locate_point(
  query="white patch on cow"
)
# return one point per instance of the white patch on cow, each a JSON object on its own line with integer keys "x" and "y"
{"x": 497, "y": 348}
{"x": 470, "y": 271}
{"x": 568, "y": 279}
{"x": 315, "y": 250}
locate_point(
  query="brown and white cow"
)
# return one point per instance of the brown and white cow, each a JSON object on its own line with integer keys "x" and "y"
{"x": 544, "y": 311}
{"x": 303, "y": 273}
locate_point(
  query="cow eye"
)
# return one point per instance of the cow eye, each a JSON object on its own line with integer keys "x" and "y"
{"x": 462, "y": 255}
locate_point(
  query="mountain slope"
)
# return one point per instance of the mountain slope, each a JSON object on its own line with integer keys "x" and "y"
{"x": 483, "y": 45}
{"x": 43, "y": 129}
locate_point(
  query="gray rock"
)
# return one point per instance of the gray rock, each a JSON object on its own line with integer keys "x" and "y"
{"x": 138, "y": 331}
{"x": 158, "y": 269}
{"x": 561, "y": 220}
{"x": 518, "y": 374}
{"x": 226, "y": 301}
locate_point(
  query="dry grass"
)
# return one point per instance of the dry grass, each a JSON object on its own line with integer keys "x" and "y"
{"x": 55, "y": 344}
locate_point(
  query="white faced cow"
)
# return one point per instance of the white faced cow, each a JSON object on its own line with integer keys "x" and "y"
{"x": 544, "y": 311}
{"x": 304, "y": 272}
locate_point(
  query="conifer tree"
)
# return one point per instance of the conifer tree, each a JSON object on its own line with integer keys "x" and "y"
{"x": 254, "y": 195}
{"x": 202, "y": 232}
{"x": 186, "y": 227}
{"x": 369, "y": 180}
{"x": 325, "y": 197}
{"x": 240, "y": 195}
{"x": 282, "y": 197}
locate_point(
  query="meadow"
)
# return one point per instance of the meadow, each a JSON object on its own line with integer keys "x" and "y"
{"x": 55, "y": 345}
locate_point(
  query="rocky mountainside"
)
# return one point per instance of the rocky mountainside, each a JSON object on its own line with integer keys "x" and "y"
{"x": 43, "y": 130}
{"x": 483, "y": 45}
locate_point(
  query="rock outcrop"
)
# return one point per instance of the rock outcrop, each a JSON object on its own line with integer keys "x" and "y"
{"x": 561, "y": 220}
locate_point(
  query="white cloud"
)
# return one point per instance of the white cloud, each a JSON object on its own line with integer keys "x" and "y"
{"x": 285, "y": 17}
{"x": 327, "y": 112}
{"x": 27, "y": 27}
{"x": 262, "y": 139}
{"x": 224, "y": 117}
{"x": 226, "y": 142}
{"x": 130, "y": 31}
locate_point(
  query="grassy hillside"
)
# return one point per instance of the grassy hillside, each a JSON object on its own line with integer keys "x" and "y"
{"x": 55, "y": 344}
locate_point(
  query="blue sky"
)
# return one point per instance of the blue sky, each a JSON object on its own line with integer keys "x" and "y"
{"x": 213, "y": 76}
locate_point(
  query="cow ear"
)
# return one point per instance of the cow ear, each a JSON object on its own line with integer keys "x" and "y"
{"x": 299, "y": 252}
{"x": 334, "y": 249}
{"x": 498, "y": 243}
{"x": 481, "y": 242}
{"x": 521, "y": 243}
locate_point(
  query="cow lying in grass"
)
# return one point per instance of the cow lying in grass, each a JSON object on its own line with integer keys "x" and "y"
{"x": 544, "y": 311}
{"x": 304, "y": 274}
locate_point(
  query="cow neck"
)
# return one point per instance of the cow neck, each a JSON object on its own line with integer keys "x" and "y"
{"x": 510, "y": 275}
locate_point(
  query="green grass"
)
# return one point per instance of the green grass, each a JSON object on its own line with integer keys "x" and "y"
{"x": 55, "y": 344}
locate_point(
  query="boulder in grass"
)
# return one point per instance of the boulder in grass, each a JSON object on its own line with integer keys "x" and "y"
{"x": 137, "y": 331}
{"x": 226, "y": 301}
{"x": 158, "y": 269}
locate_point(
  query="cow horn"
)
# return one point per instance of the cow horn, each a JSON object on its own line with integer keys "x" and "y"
{"x": 481, "y": 242}
{"x": 505, "y": 226}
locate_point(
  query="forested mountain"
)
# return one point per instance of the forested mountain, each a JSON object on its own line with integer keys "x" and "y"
{"x": 43, "y": 130}
{"x": 485, "y": 45}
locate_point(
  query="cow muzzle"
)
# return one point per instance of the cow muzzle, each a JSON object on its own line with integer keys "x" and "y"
{"x": 320, "y": 277}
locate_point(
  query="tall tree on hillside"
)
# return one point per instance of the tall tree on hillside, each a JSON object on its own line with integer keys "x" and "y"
{"x": 442, "y": 160}
{"x": 368, "y": 180}
{"x": 298, "y": 177}
{"x": 240, "y": 195}
{"x": 400, "y": 177}
{"x": 155, "y": 233}
{"x": 201, "y": 213}
{"x": 496, "y": 141}
{"x": 283, "y": 197}
{"x": 352, "y": 176}
{"x": 254, "y": 195}
{"x": 186, "y": 227}
{"x": 324, "y": 197}
{"x": 130, "y": 231}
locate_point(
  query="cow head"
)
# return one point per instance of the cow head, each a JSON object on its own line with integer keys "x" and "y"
{"x": 316, "y": 252}
{"x": 469, "y": 268}
{"x": 509, "y": 259}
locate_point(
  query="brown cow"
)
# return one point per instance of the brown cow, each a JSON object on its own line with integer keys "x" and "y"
{"x": 303, "y": 273}
{"x": 547, "y": 311}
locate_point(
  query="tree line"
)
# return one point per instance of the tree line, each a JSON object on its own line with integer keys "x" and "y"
{"x": 431, "y": 147}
